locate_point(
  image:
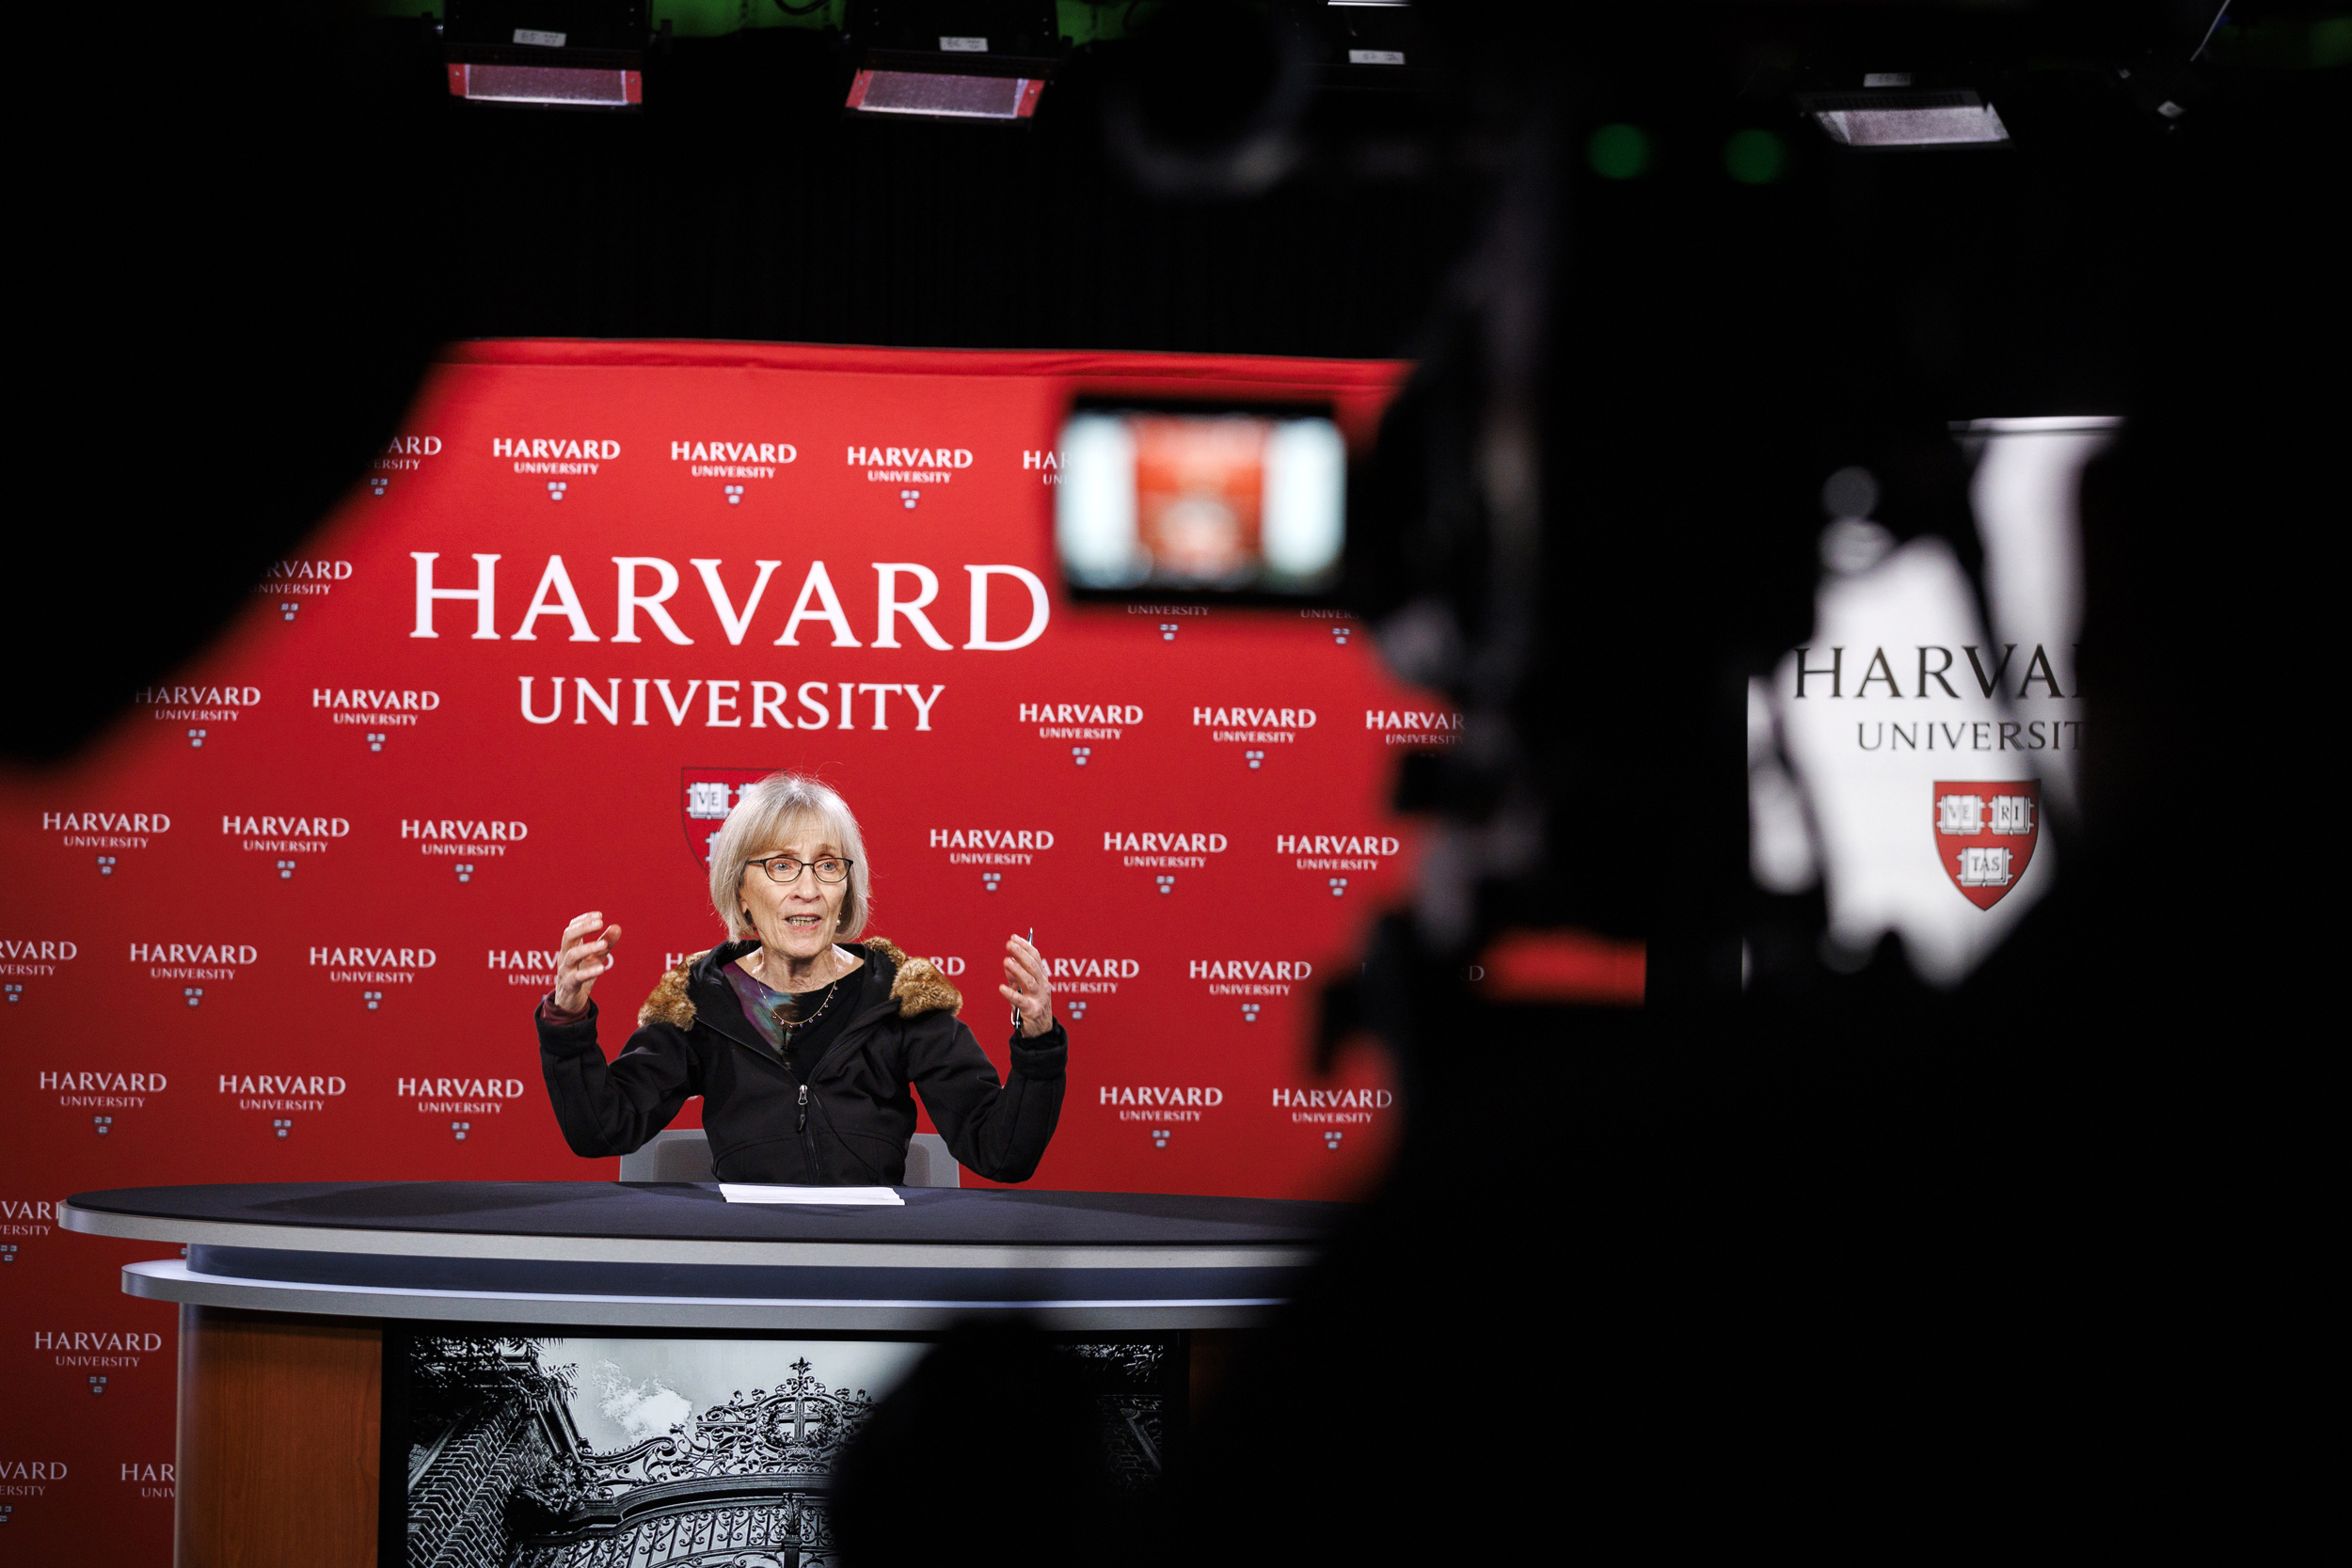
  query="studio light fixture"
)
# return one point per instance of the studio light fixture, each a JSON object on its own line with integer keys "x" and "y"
{"x": 559, "y": 54}
{"x": 1384, "y": 34}
{"x": 575, "y": 86}
{"x": 880, "y": 89}
{"x": 1889, "y": 113}
{"x": 952, "y": 59}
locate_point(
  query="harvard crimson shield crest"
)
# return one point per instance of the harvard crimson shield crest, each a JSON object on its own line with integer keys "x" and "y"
{"x": 1985, "y": 833}
{"x": 707, "y": 795}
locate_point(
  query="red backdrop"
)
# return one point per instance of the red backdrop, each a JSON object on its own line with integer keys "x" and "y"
{"x": 288, "y": 921}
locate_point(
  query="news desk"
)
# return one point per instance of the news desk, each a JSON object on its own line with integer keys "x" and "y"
{"x": 285, "y": 1291}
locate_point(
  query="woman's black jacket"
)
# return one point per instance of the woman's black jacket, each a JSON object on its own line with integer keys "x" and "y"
{"x": 848, "y": 1125}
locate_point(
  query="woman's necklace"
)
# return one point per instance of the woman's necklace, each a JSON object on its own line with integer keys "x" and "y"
{"x": 832, "y": 989}
{"x": 788, "y": 1028}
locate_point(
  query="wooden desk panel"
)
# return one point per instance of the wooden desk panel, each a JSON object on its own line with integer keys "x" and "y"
{"x": 278, "y": 1440}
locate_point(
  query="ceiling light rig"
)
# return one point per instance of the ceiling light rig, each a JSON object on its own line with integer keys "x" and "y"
{"x": 1897, "y": 116}
{"x": 952, "y": 59}
{"x": 548, "y": 53}
{"x": 1370, "y": 44}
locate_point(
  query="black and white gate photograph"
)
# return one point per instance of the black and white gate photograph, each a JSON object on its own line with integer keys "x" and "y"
{"x": 662, "y": 1452}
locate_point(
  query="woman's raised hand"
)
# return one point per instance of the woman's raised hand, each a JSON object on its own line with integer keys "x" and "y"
{"x": 1026, "y": 988}
{"x": 585, "y": 956}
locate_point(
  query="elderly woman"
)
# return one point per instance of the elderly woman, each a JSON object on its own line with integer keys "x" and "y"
{"x": 802, "y": 1040}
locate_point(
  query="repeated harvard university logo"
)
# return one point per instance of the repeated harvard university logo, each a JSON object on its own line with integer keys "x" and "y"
{"x": 707, "y": 795}
{"x": 1985, "y": 833}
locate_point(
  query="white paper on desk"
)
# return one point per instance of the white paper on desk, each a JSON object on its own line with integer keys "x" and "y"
{"x": 746, "y": 1191}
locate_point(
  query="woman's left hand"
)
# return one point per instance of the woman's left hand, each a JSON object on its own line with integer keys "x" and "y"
{"x": 1026, "y": 988}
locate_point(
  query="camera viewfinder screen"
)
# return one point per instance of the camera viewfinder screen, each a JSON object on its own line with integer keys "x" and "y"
{"x": 1213, "y": 501}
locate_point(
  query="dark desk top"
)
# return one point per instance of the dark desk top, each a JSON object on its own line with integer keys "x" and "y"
{"x": 933, "y": 1217}
{"x": 599, "y": 1252}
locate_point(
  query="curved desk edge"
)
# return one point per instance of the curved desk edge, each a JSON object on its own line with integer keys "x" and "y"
{"x": 170, "y": 1279}
{"x": 884, "y": 1255}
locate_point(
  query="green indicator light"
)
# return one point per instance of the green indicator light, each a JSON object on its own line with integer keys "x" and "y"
{"x": 1754, "y": 157}
{"x": 1617, "y": 151}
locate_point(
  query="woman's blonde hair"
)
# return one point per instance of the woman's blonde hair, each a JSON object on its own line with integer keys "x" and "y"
{"x": 765, "y": 815}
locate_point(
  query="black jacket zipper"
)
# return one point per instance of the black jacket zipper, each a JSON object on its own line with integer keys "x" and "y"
{"x": 808, "y": 1144}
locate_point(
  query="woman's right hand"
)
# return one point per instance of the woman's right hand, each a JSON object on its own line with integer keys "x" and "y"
{"x": 585, "y": 958}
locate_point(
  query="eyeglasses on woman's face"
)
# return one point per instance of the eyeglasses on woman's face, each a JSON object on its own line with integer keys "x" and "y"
{"x": 787, "y": 868}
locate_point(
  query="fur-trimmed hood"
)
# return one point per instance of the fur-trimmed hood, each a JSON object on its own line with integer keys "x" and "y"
{"x": 917, "y": 984}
